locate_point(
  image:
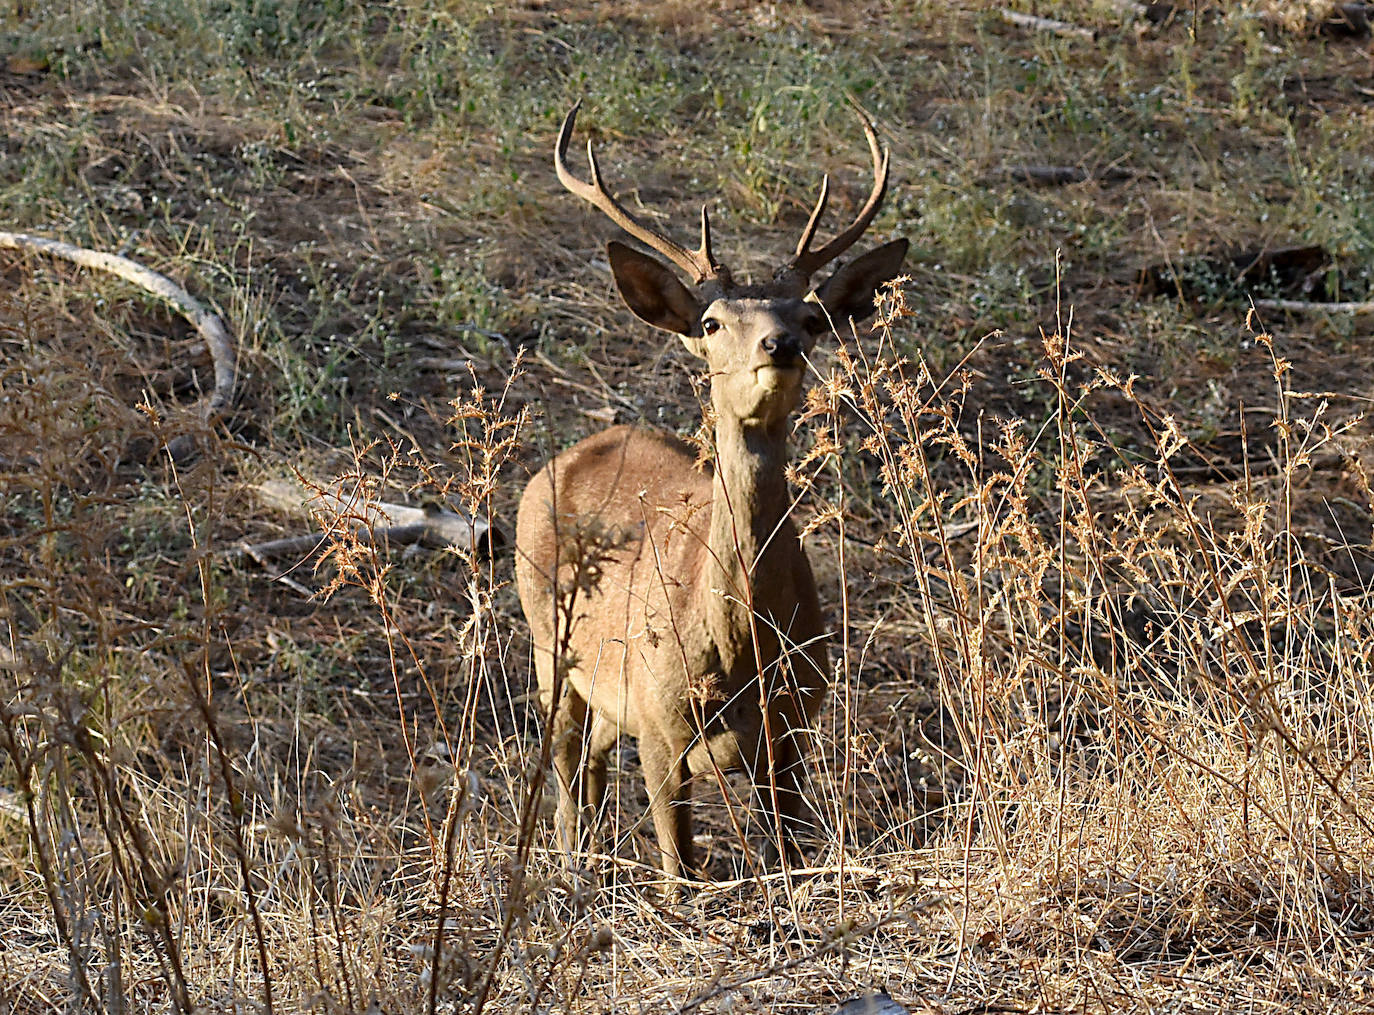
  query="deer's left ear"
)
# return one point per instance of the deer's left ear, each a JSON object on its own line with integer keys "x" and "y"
{"x": 849, "y": 292}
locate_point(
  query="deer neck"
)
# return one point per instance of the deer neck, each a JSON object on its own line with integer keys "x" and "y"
{"x": 749, "y": 501}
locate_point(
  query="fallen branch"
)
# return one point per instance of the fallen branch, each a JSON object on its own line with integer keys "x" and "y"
{"x": 1348, "y": 21}
{"x": 1046, "y": 25}
{"x": 1292, "y": 270}
{"x": 879, "y": 1003}
{"x": 1155, "y": 13}
{"x": 210, "y": 327}
{"x": 1313, "y": 306}
{"x": 372, "y": 521}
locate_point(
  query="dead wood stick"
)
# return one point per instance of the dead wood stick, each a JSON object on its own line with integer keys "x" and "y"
{"x": 1048, "y": 176}
{"x": 1313, "y": 306}
{"x": 373, "y": 521}
{"x": 1155, "y": 13}
{"x": 879, "y": 1003}
{"x": 1348, "y": 21}
{"x": 310, "y": 543}
{"x": 1046, "y": 25}
{"x": 305, "y": 546}
{"x": 210, "y": 327}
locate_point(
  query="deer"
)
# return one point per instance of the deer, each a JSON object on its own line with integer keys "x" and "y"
{"x": 675, "y": 603}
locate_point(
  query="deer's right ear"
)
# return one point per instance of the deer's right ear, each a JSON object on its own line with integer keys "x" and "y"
{"x": 652, "y": 291}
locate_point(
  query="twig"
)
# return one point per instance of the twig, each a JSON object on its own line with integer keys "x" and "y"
{"x": 306, "y": 545}
{"x": 1347, "y": 21}
{"x": 1314, "y": 306}
{"x": 1047, "y": 25}
{"x": 210, "y": 327}
{"x": 291, "y": 546}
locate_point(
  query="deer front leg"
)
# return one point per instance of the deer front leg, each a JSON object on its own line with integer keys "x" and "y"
{"x": 779, "y": 782}
{"x": 780, "y": 776}
{"x": 670, "y": 803}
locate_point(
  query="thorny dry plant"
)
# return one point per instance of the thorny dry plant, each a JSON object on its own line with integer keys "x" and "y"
{"x": 1144, "y": 744}
{"x": 1160, "y": 697}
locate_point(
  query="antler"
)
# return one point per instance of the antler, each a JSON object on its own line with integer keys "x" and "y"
{"x": 806, "y": 261}
{"x": 700, "y": 264}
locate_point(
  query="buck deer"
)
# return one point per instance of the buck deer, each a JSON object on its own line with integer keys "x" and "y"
{"x": 676, "y": 604}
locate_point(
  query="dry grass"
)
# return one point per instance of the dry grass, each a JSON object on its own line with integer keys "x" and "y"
{"x": 1099, "y": 564}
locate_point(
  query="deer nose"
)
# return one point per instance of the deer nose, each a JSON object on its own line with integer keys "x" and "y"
{"x": 782, "y": 349}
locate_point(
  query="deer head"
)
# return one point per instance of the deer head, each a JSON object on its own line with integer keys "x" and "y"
{"x": 754, "y": 338}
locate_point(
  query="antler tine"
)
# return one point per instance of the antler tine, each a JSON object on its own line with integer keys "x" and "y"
{"x": 704, "y": 251}
{"x": 809, "y": 233}
{"x": 807, "y": 261}
{"x": 699, "y": 264}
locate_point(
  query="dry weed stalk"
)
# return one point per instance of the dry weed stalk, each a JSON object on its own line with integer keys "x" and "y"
{"x": 76, "y": 630}
{"x": 1160, "y": 693}
{"x": 487, "y": 439}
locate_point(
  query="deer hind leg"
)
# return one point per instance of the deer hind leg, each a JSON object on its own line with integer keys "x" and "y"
{"x": 578, "y": 767}
{"x": 670, "y": 803}
{"x": 601, "y": 737}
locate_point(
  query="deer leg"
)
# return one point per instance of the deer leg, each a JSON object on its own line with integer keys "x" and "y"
{"x": 779, "y": 786}
{"x": 601, "y": 739}
{"x": 670, "y": 803}
{"x": 569, "y": 729}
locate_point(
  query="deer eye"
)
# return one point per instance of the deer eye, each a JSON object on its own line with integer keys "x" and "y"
{"x": 710, "y": 326}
